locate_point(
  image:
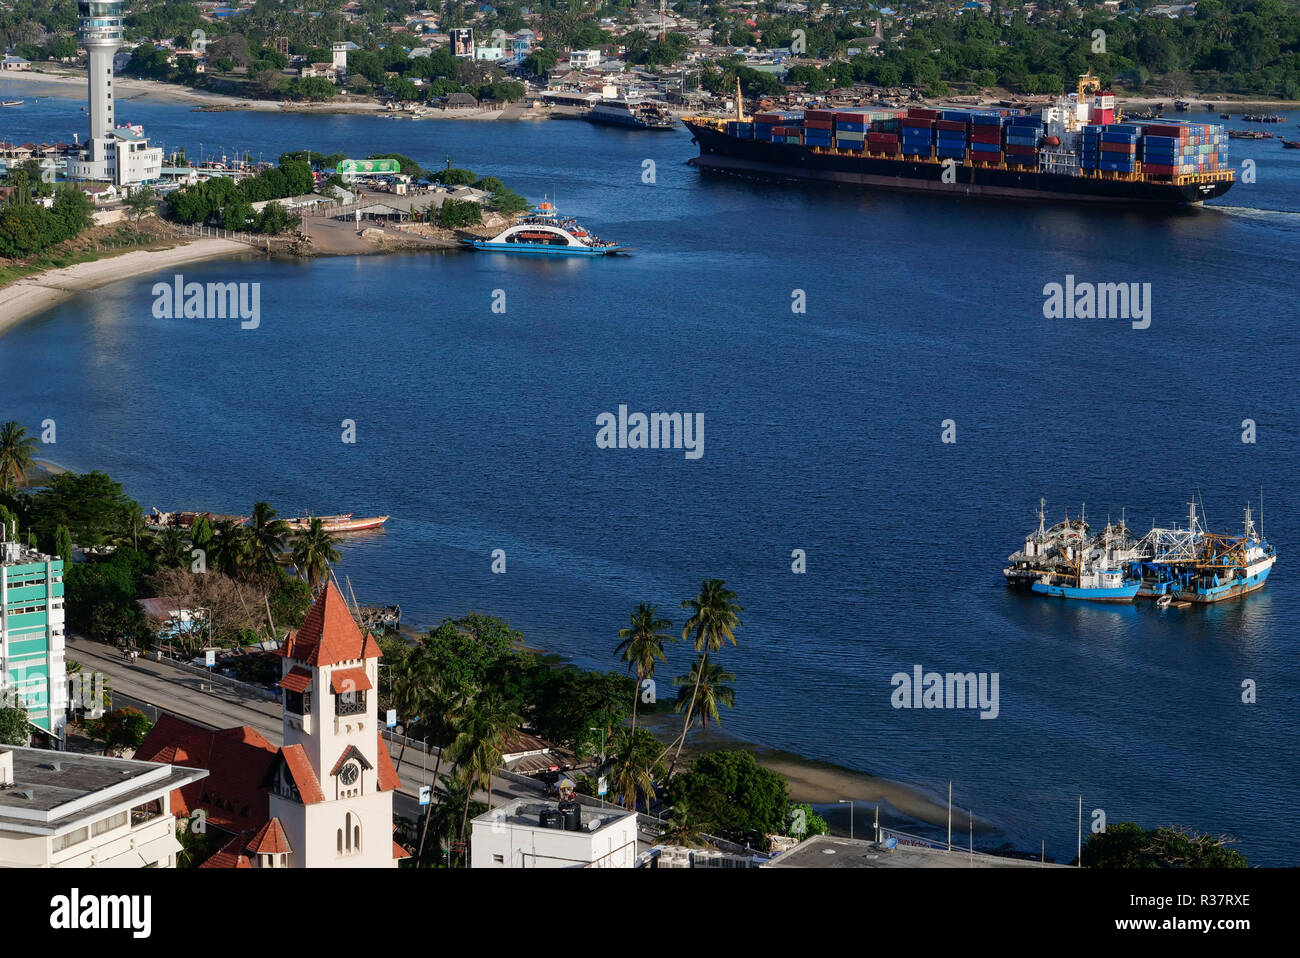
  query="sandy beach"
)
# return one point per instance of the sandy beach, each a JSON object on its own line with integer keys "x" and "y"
{"x": 34, "y": 294}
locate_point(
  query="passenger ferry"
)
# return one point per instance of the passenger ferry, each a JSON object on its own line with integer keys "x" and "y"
{"x": 639, "y": 114}
{"x": 541, "y": 231}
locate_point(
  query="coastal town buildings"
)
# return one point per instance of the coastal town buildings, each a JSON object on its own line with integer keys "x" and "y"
{"x": 324, "y": 799}
{"x": 67, "y": 810}
{"x": 533, "y": 834}
{"x": 32, "y": 669}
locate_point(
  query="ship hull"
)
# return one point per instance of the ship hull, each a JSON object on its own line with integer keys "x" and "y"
{"x": 728, "y": 154}
{"x": 627, "y": 122}
{"x": 1121, "y": 594}
{"x": 543, "y": 249}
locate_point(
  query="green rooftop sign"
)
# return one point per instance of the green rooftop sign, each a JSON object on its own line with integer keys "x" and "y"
{"x": 369, "y": 166}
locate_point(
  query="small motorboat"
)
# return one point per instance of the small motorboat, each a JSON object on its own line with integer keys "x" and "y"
{"x": 1164, "y": 601}
{"x": 11, "y": 102}
{"x": 1291, "y": 144}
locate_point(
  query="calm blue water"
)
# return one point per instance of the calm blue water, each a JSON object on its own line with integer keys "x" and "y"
{"x": 822, "y": 432}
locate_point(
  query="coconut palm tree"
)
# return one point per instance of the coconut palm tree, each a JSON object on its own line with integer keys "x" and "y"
{"x": 266, "y": 536}
{"x": 409, "y": 685}
{"x": 228, "y": 551}
{"x": 171, "y": 547}
{"x": 642, "y": 644}
{"x": 313, "y": 552}
{"x": 708, "y": 682}
{"x": 478, "y": 746}
{"x": 713, "y": 623}
{"x": 634, "y": 767}
{"x": 16, "y": 454}
{"x": 682, "y": 827}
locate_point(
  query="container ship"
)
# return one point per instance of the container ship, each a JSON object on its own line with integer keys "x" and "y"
{"x": 1188, "y": 565}
{"x": 1077, "y": 149}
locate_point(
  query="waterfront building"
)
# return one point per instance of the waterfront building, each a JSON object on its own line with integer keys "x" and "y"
{"x": 324, "y": 799}
{"x": 118, "y": 155}
{"x": 32, "y": 669}
{"x": 532, "y": 834}
{"x": 584, "y": 59}
{"x": 68, "y": 810}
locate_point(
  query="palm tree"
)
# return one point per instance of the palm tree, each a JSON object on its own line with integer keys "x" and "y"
{"x": 478, "y": 745}
{"x": 16, "y": 454}
{"x": 228, "y": 551}
{"x": 409, "y": 683}
{"x": 682, "y": 827}
{"x": 710, "y": 690}
{"x": 712, "y": 624}
{"x": 634, "y": 767}
{"x": 642, "y": 643}
{"x": 171, "y": 547}
{"x": 441, "y": 711}
{"x": 266, "y": 535}
{"x": 313, "y": 552}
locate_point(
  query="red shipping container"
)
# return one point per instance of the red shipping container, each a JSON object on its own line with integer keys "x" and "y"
{"x": 1119, "y": 147}
{"x": 995, "y": 136}
{"x": 1181, "y": 132}
{"x": 1157, "y": 169}
{"x": 1021, "y": 150}
{"x": 882, "y": 137}
{"x": 951, "y": 125}
{"x": 922, "y": 113}
{"x": 818, "y": 124}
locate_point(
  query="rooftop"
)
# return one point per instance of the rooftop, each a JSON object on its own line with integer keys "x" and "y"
{"x": 15, "y": 553}
{"x": 55, "y": 790}
{"x": 527, "y": 813}
{"x": 828, "y": 851}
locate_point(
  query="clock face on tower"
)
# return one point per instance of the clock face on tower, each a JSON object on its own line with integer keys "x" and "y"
{"x": 348, "y": 774}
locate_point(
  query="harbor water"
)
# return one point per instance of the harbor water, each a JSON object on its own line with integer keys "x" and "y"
{"x": 922, "y": 318}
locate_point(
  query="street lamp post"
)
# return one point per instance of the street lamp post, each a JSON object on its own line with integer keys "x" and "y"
{"x": 592, "y": 728}
{"x": 849, "y": 802}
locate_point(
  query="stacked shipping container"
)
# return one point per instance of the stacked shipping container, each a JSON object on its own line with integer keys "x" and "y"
{"x": 1176, "y": 149}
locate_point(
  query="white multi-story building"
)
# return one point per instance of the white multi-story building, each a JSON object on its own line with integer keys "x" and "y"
{"x": 584, "y": 59}
{"x": 67, "y": 810}
{"x": 118, "y": 155}
{"x": 532, "y": 834}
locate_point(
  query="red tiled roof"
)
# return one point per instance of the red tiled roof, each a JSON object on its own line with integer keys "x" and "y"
{"x": 304, "y": 778}
{"x": 400, "y": 852}
{"x": 297, "y": 680}
{"x": 269, "y": 840}
{"x": 233, "y": 796}
{"x": 329, "y": 635}
{"x": 231, "y": 855}
{"x": 349, "y": 680}
{"x": 388, "y": 780}
{"x": 350, "y": 752}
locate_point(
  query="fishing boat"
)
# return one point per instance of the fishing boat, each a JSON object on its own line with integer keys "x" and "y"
{"x": 11, "y": 102}
{"x": 1194, "y": 565}
{"x": 1249, "y": 135}
{"x": 1068, "y": 562}
{"x": 1225, "y": 116}
{"x": 1263, "y": 117}
{"x": 337, "y": 524}
{"x": 1164, "y": 601}
{"x": 541, "y": 231}
{"x": 1291, "y": 144}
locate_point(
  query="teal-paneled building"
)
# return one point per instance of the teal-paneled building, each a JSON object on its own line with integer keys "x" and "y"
{"x": 32, "y": 668}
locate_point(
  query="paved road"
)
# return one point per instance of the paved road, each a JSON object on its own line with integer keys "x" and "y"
{"x": 161, "y": 686}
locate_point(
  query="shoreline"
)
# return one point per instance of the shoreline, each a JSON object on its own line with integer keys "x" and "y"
{"x": 32, "y": 295}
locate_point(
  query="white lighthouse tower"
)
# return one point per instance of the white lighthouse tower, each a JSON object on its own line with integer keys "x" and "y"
{"x": 99, "y": 28}
{"x": 122, "y": 157}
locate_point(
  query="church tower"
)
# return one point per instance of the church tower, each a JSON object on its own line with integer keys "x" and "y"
{"x": 332, "y": 786}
